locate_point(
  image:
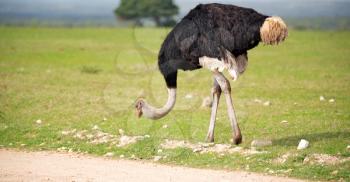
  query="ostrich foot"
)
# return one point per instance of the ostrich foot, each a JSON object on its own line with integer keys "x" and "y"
{"x": 237, "y": 139}
{"x": 210, "y": 137}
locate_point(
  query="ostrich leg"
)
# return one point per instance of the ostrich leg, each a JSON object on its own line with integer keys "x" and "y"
{"x": 216, "y": 92}
{"x": 226, "y": 88}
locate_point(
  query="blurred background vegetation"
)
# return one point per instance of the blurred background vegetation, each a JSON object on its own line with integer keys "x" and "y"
{"x": 311, "y": 14}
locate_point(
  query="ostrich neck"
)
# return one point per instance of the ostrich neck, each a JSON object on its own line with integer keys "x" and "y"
{"x": 156, "y": 113}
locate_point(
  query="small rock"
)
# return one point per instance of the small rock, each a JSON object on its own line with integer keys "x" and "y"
{"x": 261, "y": 143}
{"x": 121, "y": 131}
{"x": 95, "y": 127}
{"x": 207, "y": 102}
{"x": 284, "y": 121}
{"x": 348, "y": 148}
{"x": 267, "y": 103}
{"x": 147, "y": 136}
{"x": 160, "y": 151}
{"x": 258, "y": 101}
{"x": 331, "y": 100}
{"x": 157, "y": 158}
{"x": 303, "y": 144}
{"x": 165, "y": 126}
{"x": 42, "y": 144}
{"x": 122, "y": 156}
{"x": 334, "y": 172}
{"x": 70, "y": 150}
{"x": 38, "y": 121}
{"x": 23, "y": 144}
{"x": 10, "y": 144}
{"x": 104, "y": 119}
{"x": 197, "y": 150}
{"x": 133, "y": 156}
{"x": 109, "y": 154}
{"x": 322, "y": 98}
{"x": 188, "y": 96}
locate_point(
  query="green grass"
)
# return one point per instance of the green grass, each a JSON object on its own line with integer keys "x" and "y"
{"x": 73, "y": 78}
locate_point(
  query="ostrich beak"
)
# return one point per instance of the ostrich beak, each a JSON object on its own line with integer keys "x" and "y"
{"x": 138, "y": 107}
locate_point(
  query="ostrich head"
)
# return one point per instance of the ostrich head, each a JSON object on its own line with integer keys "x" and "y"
{"x": 150, "y": 112}
{"x": 273, "y": 30}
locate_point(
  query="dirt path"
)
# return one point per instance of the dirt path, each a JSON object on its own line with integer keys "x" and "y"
{"x": 50, "y": 166}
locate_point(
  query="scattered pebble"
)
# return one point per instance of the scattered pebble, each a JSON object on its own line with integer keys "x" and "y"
{"x": 165, "y": 126}
{"x": 258, "y": 101}
{"x": 267, "y": 103}
{"x": 261, "y": 143}
{"x": 109, "y": 154}
{"x": 322, "y": 98}
{"x": 207, "y": 102}
{"x": 62, "y": 149}
{"x": 208, "y": 147}
{"x": 38, "y": 121}
{"x": 197, "y": 150}
{"x": 334, "y": 172}
{"x": 157, "y": 158}
{"x": 188, "y": 96}
{"x": 331, "y": 100}
{"x": 303, "y": 144}
{"x": 121, "y": 131}
{"x": 324, "y": 159}
{"x": 284, "y": 121}
{"x": 95, "y": 127}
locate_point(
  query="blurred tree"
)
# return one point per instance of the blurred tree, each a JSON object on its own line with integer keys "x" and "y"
{"x": 161, "y": 11}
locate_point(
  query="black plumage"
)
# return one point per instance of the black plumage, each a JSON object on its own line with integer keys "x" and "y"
{"x": 208, "y": 30}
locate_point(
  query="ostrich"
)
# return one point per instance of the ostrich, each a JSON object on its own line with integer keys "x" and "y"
{"x": 216, "y": 37}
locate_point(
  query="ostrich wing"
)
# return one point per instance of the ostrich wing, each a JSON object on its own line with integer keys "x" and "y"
{"x": 185, "y": 34}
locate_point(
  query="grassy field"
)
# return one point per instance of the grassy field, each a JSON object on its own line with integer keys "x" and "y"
{"x": 78, "y": 78}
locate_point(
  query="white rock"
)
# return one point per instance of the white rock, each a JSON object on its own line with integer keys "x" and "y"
{"x": 157, "y": 158}
{"x": 147, "y": 136}
{"x": 267, "y": 103}
{"x": 322, "y": 98}
{"x": 206, "y": 102}
{"x": 303, "y": 144}
{"x": 38, "y": 121}
{"x": 331, "y": 100}
{"x": 188, "y": 96}
{"x": 348, "y": 148}
{"x": 122, "y": 156}
{"x": 284, "y": 121}
{"x": 121, "y": 131}
{"x": 109, "y": 154}
{"x": 165, "y": 126}
{"x": 197, "y": 150}
{"x": 257, "y": 100}
{"x": 95, "y": 127}
{"x": 104, "y": 119}
{"x": 160, "y": 151}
